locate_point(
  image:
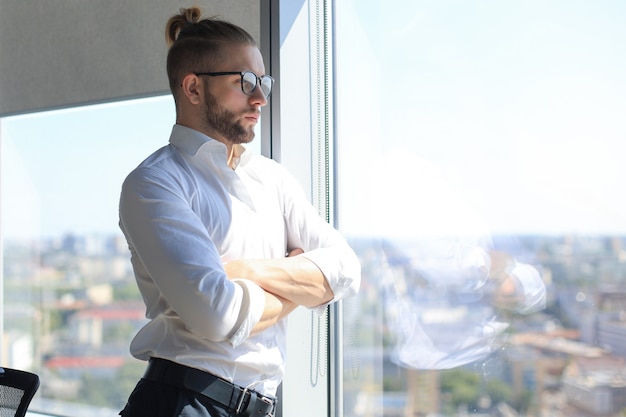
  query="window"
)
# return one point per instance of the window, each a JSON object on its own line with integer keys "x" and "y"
{"x": 70, "y": 302}
{"x": 460, "y": 127}
{"x": 469, "y": 127}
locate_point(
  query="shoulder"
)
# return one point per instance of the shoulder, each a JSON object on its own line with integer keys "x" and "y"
{"x": 164, "y": 166}
{"x": 160, "y": 157}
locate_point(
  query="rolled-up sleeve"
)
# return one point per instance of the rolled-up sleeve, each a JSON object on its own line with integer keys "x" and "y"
{"x": 340, "y": 267}
{"x": 253, "y": 307}
{"x": 531, "y": 288}
{"x": 176, "y": 262}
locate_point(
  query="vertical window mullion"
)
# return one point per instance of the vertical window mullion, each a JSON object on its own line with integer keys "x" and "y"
{"x": 329, "y": 328}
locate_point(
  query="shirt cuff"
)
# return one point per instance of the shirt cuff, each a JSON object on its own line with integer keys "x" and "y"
{"x": 252, "y": 307}
{"x": 531, "y": 286}
{"x": 341, "y": 270}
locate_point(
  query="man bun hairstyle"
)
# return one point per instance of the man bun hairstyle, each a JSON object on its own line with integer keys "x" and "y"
{"x": 178, "y": 22}
{"x": 196, "y": 43}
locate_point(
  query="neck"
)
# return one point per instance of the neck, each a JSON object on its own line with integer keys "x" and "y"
{"x": 234, "y": 153}
{"x": 202, "y": 128}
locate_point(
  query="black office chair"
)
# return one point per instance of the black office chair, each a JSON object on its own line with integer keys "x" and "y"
{"x": 17, "y": 389}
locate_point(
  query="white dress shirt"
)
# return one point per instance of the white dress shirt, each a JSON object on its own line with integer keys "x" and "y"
{"x": 185, "y": 213}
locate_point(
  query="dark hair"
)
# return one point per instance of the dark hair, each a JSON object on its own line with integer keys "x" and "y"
{"x": 196, "y": 43}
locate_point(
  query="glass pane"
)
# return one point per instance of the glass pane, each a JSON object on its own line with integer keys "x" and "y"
{"x": 479, "y": 150}
{"x": 70, "y": 302}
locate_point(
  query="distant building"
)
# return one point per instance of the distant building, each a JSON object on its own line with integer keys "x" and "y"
{"x": 538, "y": 360}
{"x": 612, "y": 334}
{"x": 89, "y": 326}
{"x": 75, "y": 366}
{"x": 596, "y": 385}
{"x": 100, "y": 338}
{"x": 604, "y": 324}
{"x": 422, "y": 392}
{"x": 17, "y": 350}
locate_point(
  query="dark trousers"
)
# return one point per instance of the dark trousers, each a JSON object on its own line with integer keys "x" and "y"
{"x": 155, "y": 399}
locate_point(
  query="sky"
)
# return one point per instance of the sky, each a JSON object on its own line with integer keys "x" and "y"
{"x": 62, "y": 170}
{"x": 512, "y": 112}
{"x": 451, "y": 116}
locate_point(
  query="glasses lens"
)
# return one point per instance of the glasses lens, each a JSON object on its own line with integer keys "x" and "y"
{"x": 266, "y": 85}
{"x": 248, "y": 82}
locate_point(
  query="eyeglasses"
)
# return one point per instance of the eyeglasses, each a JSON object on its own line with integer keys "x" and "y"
{"x": 249, "y": 81}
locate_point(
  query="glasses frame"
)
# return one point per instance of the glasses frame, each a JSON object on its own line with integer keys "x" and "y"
{"x": 243, "y": 74}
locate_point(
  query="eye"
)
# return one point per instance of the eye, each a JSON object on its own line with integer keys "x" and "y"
{"x": 248, "y": 85}
{"x": 248, "y": 82}
{"x": 266, "y": 85}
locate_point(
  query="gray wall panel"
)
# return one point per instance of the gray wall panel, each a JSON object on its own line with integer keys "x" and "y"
{"x": 60, "y": 53}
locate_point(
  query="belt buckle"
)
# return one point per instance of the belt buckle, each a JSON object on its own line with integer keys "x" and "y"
{"x": 270, "y": 405}
{"x": 252, "y": 409}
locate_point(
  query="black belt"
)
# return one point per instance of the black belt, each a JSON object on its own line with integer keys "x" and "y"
{"x": 243, "y": 401}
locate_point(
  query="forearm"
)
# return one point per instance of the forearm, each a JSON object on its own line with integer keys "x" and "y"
{"x": 294, "y": 278}
{"x": 276, "y": 308}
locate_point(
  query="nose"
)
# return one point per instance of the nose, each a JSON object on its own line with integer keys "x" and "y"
{"x": 257, "y": 98}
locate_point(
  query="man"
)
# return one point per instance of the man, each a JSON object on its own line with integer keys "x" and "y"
{"x": 224, "y": 244}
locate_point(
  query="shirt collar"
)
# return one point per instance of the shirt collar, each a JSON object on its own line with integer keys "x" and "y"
{"x": 190, "y": 141}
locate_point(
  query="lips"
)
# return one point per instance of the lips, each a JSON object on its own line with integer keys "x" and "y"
{"x": 252, "y": 117}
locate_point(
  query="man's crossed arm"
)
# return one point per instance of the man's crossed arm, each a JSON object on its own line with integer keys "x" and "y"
{"x": 288, "y": 282}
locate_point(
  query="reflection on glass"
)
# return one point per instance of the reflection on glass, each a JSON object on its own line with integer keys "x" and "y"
{"x": 479, "y": 166}
{"x": 442, "y": 305}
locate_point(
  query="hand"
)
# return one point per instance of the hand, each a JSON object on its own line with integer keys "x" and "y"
{"x": 294, "y": 252}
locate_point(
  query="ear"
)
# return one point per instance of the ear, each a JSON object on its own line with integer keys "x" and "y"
{"x": 192, "y": 88}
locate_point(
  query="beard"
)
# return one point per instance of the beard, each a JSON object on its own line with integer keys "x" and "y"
{"x": 223, "y": 122}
